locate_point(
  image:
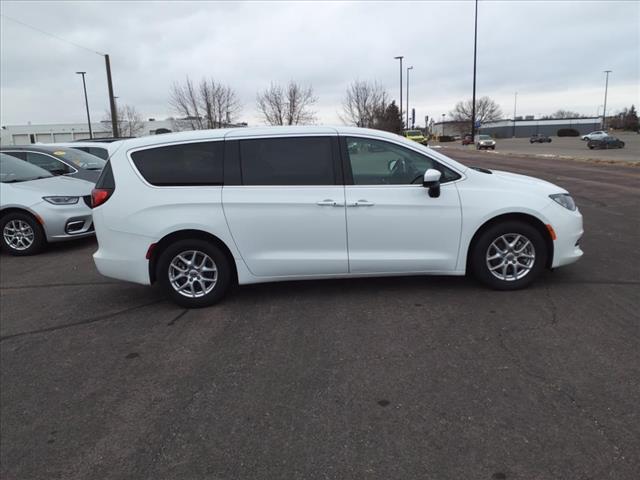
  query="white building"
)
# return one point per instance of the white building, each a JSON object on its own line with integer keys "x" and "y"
{"x": 68, "y": 132}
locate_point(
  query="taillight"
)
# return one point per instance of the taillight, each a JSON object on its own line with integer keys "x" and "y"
{"x": 99, "y": 196}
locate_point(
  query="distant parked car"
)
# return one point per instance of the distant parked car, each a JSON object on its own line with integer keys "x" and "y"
{"x": 606, "y": 142}
{"x": 486, "y": 142}
{"x": 59, "y": 160}
{"x": 599, "y": 135}
{"x": 467, "y": 140}
{"x": 539, "y": 138}
{"x": 37, "y": 207}
{"x": 415, "y": 135}
{"x": 99, "y": 149}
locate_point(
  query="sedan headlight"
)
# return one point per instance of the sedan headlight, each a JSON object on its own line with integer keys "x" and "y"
{"x": 565, "y": 200}
{"x": 61, "y": 200}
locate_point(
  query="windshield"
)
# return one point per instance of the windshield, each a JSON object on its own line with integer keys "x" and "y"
{"x": 14, "y": 170}
{"x": 79, "y": 158}
{"x": 484, "y": 137}
{"x": 413, "y": 133}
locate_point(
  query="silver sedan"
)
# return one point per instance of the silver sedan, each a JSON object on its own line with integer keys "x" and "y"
{"x": 37, "y": 207}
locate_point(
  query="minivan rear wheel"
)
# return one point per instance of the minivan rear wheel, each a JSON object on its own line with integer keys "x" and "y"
{"x": 194, "y": 273}
{"x": 509, "y": 255}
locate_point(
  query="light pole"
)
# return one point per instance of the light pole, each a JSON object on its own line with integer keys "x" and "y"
{"x": 443, "y": 123}
{"x": 86, "y": 102}
{"x": 400, "y": 58}
{"x": 604, "y": 109}
{"x": 473, "y": 100}
{"x": 408, "y": 68}
{"x": 515, "y": 102}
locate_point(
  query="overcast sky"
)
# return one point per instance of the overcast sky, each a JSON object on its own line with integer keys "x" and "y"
{"x": 551, "y": 53}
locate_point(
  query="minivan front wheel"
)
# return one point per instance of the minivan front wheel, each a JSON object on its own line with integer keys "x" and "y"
{"x": 509, "y": 256}
{"x": 194, "y": 273}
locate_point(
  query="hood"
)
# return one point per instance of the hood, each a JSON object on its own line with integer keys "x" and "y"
{"x": 517, "y": 180}
{"x": 58, "y": 185}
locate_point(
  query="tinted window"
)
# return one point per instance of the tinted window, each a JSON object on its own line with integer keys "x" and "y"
{"x": 106, "y": 179}
{"x": 181, "y": 165}
{"x": 48, "y": 163}
{"x": 375, "y": 162}
{"x": 13, "y": 170}
{"x": 79, "y": 158}
{"x": 287, "y": 161}
{"x": 102, "y": 153}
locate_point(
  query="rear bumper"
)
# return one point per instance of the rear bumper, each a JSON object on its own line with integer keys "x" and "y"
{"x": 123, "y": 256}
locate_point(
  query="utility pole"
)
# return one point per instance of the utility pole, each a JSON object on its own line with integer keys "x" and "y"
{"x": 86, "y": 102}
{"x": 112, "y": 101}
{"x": 473, "y": 99}
{"x": 604, "y": 109}
{"x": 400, "y": 58}
{"x": 515, "y": 102}
{"x": 408, "y": 68}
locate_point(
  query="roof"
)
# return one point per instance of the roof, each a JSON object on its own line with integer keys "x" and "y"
{"x": 35, "y": 147}
{"x": 245, "y": 132}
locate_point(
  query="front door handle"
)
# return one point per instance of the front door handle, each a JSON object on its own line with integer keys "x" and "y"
{"x": 329, "y": 203}
{"x": 363, "y": 203}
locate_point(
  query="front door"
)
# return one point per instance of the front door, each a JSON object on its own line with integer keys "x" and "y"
{"x": 287, "y": 217}
{"x": 393, "y": 225}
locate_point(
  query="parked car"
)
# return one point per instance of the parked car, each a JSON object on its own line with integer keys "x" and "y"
{"x": 94, "y": 148}
{"x": 415, "y": 135}
{"x": 37, "y": 207}
{"x": 467, "y": 140}
{"x": 539, "y": 138}
{"x": 599, "y": 135}
{"x": 198, "y": 211}
{"x": 486, "y": 142}
{"x": 606, "y": 142}
{"x": 59, "y": 160}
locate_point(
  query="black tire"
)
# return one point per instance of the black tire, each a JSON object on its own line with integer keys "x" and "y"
{"x": 222, "y": 264}
{"x": 38, "y": 242}
{"x": 480, "y": 250}
{"x": 493, "y": 148}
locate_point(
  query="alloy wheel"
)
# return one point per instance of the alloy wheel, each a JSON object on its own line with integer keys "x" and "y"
{"x": 193, "y": 273}
{"x": 510, "y": 257}
{"x": 18, "y": 235}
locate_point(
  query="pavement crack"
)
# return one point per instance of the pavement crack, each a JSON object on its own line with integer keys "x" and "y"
{"x": 78, "y": 323}
{"x": 49, "y": 285}
{"x": 178, "y": 317}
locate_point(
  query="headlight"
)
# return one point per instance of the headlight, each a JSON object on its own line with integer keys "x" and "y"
{"x": 61, "y": 200}
{"x": 565, "y": 200}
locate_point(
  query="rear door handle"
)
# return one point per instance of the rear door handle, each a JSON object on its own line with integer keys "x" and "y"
{"x": 329, "y": 203}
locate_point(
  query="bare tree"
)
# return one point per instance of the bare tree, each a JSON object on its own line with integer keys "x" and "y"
{"x": 208, "y": 105}
{"x": 130, "y": 123}
{"x": 363, "y": 102}
{"x": 560, "y": 114}
{"x": 487, "y": 110}
{"x": 290, "y": 105}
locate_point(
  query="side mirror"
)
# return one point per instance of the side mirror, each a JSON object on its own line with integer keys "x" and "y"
{"x": 431, "y": 181}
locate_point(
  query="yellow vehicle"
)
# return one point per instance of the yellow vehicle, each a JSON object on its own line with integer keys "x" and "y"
{"x": 415, "y": 135}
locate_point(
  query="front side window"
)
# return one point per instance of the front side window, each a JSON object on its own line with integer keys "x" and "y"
{"x": 181, "y": 165}
{"x": 376, "y": 162}
{"x": 287, "y": 161}
{"x": 49, "y": 163}
{"x": 13, "y": 170}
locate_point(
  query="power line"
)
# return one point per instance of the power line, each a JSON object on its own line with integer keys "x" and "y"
{"x": 51, "y": 35}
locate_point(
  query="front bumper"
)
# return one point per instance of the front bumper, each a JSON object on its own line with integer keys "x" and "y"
{"x": 65, "y": 222}
{"x": 569, "y": 230}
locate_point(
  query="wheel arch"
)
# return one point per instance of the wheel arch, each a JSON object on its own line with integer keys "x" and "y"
{"x": 188, "y": 234}
{"x": 515, "y": 216}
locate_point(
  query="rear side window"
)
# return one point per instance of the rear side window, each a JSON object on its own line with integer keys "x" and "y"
{"x": 181, "y": 165}
{"x": 287, "y": 161}
{"x": 106, "y": 179}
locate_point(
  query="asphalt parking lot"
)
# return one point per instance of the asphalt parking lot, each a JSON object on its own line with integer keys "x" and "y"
{"x": 563, "y": 148}
{"x": 397, "y": 378}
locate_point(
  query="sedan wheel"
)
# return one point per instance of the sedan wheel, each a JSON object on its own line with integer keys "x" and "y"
{"x": 21, "y": 234}
{"x": 510, "y": 257}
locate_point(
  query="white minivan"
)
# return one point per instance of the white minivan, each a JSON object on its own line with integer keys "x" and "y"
{"x": 197, "y": 211}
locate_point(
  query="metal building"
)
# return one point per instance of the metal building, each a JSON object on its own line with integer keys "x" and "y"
{"x": 550, "y": 127}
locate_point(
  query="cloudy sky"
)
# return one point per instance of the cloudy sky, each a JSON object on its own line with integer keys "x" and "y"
{"x": 552, "y": 53}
